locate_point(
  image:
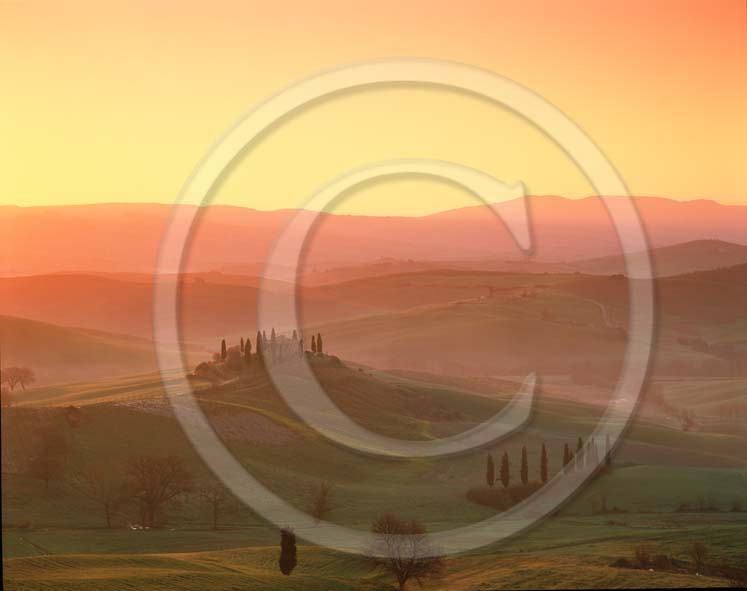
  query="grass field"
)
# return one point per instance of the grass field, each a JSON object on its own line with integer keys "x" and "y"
{"x": 57, "y": 539}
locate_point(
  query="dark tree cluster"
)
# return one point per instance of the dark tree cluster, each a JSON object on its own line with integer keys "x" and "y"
{"x": 277, "y": 348}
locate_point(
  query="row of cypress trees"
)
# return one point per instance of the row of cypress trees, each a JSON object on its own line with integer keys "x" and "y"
{"x": 264, "y": 344}
{"x": 584, "y": 452}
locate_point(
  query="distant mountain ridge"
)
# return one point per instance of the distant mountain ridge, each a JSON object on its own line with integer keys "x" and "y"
{"x": 678, "y": 259}
{"x": 126, "y": 237}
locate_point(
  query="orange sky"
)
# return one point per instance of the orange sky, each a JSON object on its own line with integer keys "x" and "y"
{"x": 118, "y": 102}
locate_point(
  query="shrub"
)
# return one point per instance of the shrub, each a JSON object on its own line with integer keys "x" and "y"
{"x": 502, "y": 498}
{"x": 642, "y": 556}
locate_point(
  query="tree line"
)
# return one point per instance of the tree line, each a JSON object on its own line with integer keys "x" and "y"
{"x": 585, "y": 453}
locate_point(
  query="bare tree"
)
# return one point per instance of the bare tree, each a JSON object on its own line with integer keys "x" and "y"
{"x": 18, "y": 376}
{"x": 699, "y": 553}
{"x": 321, "y": 505}
{"x": 6, "y": 398}
{"x": 155, "y": 481}
{"x": 402, "y": 548}
{"x": 98, "y": 485}
{"x": 218, "y": 499}
{"x": 49, "y": 461}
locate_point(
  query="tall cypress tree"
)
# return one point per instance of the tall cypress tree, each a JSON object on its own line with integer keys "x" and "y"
{"x": 580, "y": 456}
{"x": 260, "y": 350}
{"x": 607, "y": 451}
{"x": 223, "y": 352}
{"x": 543, "y": 464}
{"x": 313, "y": 344}
{"x": 300, "y": 348}
{"x": 295, "y": 335}
{"x": 242, "y": 344}
{"x": 567, "y": 457}
{"x": 505, "y": 470}
{"x": 288, "y": 553}
{"x": 490, "y": 471}
{"x": 319, "y": 348}
{"x": 248, "y": 351}
{"x": 524, "y": 471}
{"x": 594, "y": 455}
{"x": 273, "y": 344}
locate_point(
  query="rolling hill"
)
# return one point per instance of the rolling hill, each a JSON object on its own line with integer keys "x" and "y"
{"x": 678, "y": 259}
{"x": 59, "y": 354}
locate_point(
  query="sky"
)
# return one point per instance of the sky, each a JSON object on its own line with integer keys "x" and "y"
{"x": 118, "y": 102}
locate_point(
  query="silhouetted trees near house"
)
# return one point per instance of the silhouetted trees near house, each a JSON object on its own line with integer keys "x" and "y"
{"x": 248, "y": 352}
{"x": 260, "y": 350}
{"x": 278, "y": 348}
{"x": 288, "y": 552}
{"x": 273, "y": 345}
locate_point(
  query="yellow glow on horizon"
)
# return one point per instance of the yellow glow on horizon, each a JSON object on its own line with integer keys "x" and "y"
{"x": 107, "y": 103}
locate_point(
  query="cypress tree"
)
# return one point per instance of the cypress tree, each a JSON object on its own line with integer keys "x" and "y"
{"x": 273, "y": 345}
{"x": 594, "y": 456}
{"x": 248, "y": 351}
{"x": 524, "y": 472}
{"x": 300, "y": 348}
{"x": 260, "y": 350}
{"x": 490, "y": 471}
{"x": 242, "y": 344}
{"x": 580, "y": 456}
{"x": 543, "y": 464}
{"x": 313, "y": 344}
{"x": 223, "y": 352}
{"x": 607, "y": 451}
{"x": 505, "y": 470}
{"x": 288, "y": 558}
{"x": 567, "y": 457}
{"x": 295, "y": 335}
{"x": 319, "y": 348}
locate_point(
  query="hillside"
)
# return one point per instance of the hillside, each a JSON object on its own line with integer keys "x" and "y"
{"x": 60, "y": 354}
{"x": 678, "y": 259}
{"x": 658, "y": 468}
{"x": 211, "y": 305}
